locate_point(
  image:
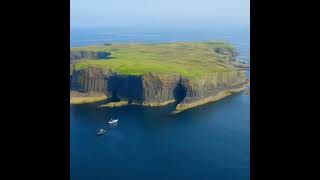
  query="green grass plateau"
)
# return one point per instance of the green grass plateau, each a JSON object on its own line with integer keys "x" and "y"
{"x": 189, "y": 59}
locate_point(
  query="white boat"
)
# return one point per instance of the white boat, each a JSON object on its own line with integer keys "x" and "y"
{"x": 101, "y": 131}
{"x": 113, "y": 121}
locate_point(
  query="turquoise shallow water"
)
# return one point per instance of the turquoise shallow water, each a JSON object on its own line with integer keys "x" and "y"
{"x": 207, "y": 142}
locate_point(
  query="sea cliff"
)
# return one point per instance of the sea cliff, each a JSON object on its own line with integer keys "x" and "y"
{"x": 158, "y": 89}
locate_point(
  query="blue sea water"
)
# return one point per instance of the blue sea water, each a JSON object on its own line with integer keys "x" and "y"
{"x": 207, "y": 142}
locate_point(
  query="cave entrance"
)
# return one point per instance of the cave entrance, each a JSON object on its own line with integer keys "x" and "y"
{"x": 114, "y": 97}
{"x": 179, "y": 93}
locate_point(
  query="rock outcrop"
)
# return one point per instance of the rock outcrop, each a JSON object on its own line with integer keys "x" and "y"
{"x": 226, "y": 52}
{"x": 157, "y": 89}
{"x": 78, "y": 55}
{"x": 211, "y": 88}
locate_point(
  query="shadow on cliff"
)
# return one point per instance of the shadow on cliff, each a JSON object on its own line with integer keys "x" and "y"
{"x": 179, "y": 93}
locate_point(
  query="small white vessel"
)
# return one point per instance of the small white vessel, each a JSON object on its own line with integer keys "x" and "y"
{"x": 101, "y": 131}
{"x": 113, "y": 121}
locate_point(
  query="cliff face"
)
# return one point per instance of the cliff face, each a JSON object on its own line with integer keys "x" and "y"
{"x": 147, "y": 89}
{"x": 90, "y": 80}
{"x": 159, "y": 88}
{"x": 211, "y": 88}
{"x": 155, "y": 89}
{"x": 200, "y": 88}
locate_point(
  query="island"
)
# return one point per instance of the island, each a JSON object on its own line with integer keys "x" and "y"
{"x": 188, "y": 74}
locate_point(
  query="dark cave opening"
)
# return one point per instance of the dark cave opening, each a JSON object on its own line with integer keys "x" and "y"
{"x": 179, "y": 93}
{"x": 114, "y": 97}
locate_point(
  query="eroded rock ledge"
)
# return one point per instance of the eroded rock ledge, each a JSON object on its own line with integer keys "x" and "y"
{"x": 78, "y": 55}
{"x": 157, "y": 89}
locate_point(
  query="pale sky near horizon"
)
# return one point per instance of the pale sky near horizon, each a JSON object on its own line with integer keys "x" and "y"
{"x": 154, "y": 13}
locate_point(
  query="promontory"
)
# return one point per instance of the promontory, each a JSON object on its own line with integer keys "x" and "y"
{"x": 188, "y": 74}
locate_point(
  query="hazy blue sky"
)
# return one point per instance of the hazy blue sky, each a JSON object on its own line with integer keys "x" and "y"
{"x": 154, "y": 13}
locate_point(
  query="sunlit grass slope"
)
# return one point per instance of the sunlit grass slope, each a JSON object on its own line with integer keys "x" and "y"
{"x": 190, "y": 59}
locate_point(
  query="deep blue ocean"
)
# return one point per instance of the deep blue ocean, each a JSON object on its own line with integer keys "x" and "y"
{"x": 205, "y": 143}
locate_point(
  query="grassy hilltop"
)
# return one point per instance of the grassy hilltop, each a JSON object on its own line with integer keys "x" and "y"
{"x": 189, "y": 59}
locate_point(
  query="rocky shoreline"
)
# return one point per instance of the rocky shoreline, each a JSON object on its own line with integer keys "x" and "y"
{"x": 83, "y": 98}
{"x": 114, "y": 104}
{"x": 218, "y": 96}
